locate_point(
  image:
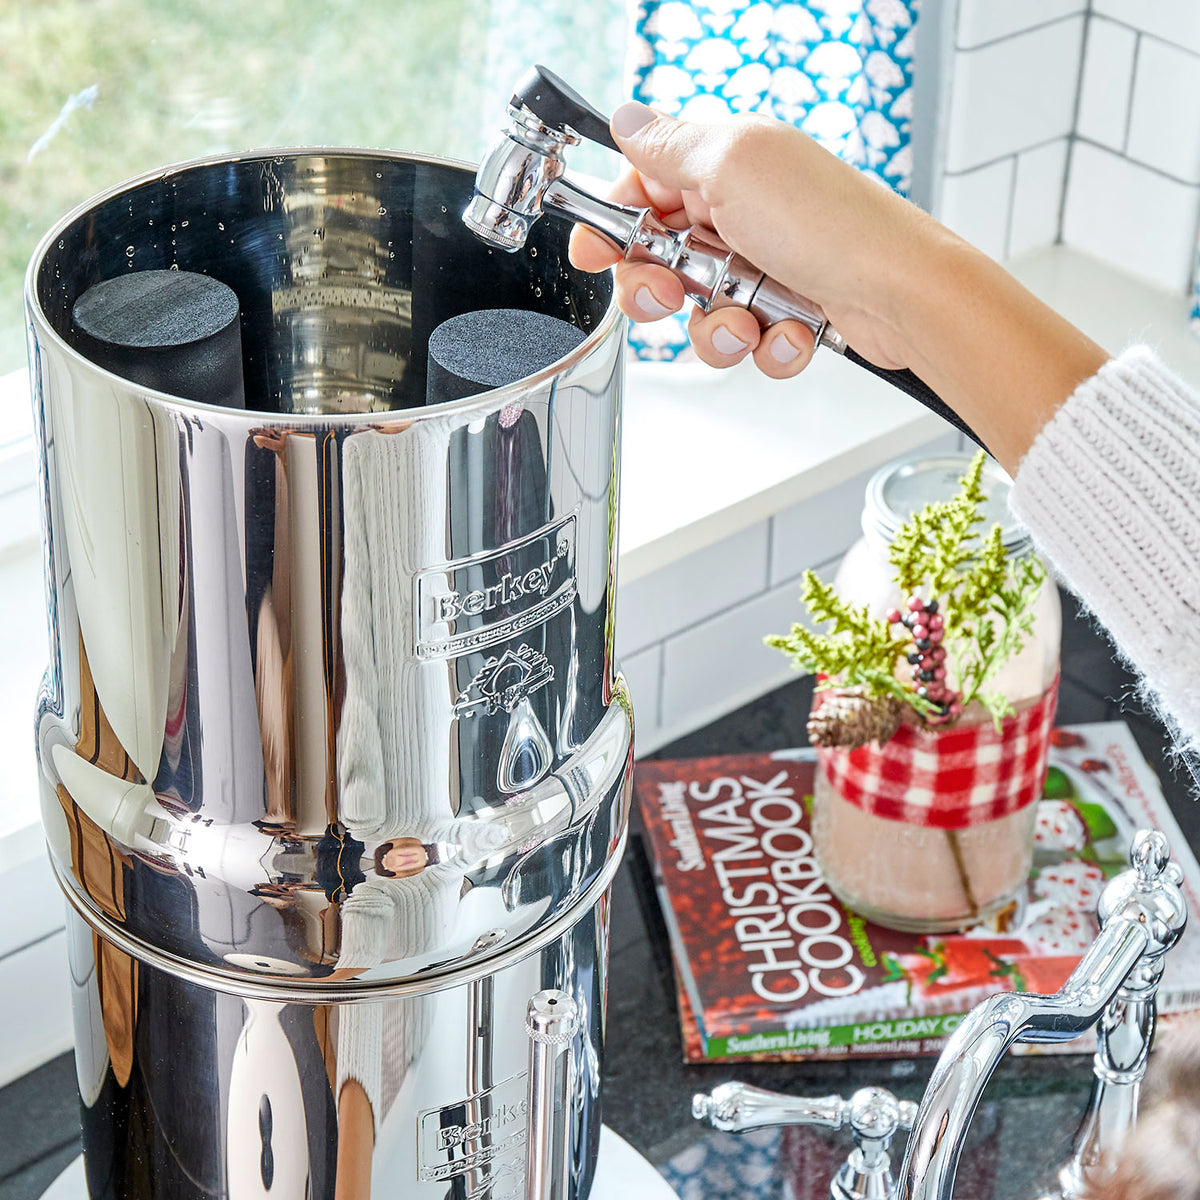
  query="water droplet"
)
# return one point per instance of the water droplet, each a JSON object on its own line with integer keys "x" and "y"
{"x": 150, "y": 222}
{"x": 221, "y": 226}
{"x": 443, "y": 208}
{"x": 537, "y": 291}
{"x": 60, "y": 243}
{"x": 130, "y": 251}
{"x": 183, "y": 224}
{"x": 173, "y": 267}
{"x": 382, "y": 211}
{"x": 172, "y": 226}
{"x": 533, "y": 252}
{"x": 280, "y": 236}
{"x": 378, "y": 174}
{"x": 392, "y": 254}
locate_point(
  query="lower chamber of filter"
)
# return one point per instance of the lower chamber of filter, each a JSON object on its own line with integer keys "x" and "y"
{"x": 187, "y": 1091}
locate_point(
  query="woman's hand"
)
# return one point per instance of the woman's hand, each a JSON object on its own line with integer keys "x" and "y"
{"x": 900, "y": 288}
{"x": 790, "y": 207}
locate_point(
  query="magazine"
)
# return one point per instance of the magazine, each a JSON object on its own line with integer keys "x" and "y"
{"x": 770, "y": 964}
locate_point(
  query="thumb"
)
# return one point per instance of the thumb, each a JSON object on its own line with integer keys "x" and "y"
{"x": 675, "y": 153}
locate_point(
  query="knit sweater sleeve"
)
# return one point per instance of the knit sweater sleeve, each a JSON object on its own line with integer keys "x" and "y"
{"x": 1110, "y": 491}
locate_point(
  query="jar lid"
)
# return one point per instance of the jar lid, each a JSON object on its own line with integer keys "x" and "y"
{"x": 903, "y": 487}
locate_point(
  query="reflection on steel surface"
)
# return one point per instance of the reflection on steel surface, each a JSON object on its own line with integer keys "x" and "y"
{"x": 332, "y": 706}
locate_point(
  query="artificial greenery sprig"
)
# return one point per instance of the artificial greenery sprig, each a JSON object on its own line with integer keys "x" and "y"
{"x": 984, "y": 601}
{"x": 859, "y": 651}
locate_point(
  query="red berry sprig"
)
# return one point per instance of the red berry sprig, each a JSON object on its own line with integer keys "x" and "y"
{"x": 928, "y": 658}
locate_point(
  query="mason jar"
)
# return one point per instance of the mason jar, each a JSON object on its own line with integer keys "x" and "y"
{"x": 933, "y": 831}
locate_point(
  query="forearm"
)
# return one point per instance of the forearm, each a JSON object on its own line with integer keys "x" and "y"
{"x": 1003, "y": 360}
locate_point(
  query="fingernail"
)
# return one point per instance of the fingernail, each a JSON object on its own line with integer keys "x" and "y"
{"x": 645, "y": 300}
{"x": 630, "y": 117}
{"x": 782, "y": 351}
{"x": 725, "y": 342}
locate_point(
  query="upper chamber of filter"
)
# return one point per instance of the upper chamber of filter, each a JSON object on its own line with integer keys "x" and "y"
{"x": 343, "y": 262}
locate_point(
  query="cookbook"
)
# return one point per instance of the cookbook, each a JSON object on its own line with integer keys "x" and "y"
{"x": 769, "y": 964}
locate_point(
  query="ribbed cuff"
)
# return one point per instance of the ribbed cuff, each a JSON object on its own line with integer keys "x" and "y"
{"x": 1110, "y": 491}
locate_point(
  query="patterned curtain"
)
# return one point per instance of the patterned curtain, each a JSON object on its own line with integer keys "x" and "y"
{"x": 841, "y": 70}
{"x": 1194, "y": 323}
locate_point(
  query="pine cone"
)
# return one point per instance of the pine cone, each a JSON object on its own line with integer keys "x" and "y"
{"x": 848, "y": 717}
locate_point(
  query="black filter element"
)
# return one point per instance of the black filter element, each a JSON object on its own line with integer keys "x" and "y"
{"x": 492, "y": 347}
{"x": 174, "y": 331}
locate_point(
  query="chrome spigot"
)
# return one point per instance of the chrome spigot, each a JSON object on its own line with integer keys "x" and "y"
{"x": 873, "y": 1114}
{"x": 1142, "y": 915}
{"x": 521, "y": 178}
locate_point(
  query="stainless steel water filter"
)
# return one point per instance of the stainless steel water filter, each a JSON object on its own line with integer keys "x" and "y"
{"x": 335, "y": 758}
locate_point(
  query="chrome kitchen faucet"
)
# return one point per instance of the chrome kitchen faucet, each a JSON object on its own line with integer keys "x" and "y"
{"x": 1142, "y": 914}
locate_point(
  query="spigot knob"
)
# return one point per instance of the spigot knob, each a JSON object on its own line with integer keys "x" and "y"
{"x": 556, "y": 104}
{"x": 1149, "y": 855}
{"x": 1149, "y": 893}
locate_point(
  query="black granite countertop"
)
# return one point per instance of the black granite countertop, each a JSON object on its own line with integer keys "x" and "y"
{"x": 1025, "y": 1123}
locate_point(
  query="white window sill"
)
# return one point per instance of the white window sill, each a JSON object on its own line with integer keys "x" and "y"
{"x": 705, "y": 455}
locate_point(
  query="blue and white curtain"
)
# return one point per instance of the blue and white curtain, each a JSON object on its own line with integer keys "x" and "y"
{"x": 841, "y": 70}
{"x": 1195, "y": 317}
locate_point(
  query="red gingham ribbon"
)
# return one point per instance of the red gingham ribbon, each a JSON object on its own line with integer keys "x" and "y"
{"x": 951, "y": 778}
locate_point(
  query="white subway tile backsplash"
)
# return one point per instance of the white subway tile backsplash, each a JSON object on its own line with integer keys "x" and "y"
{"x": 818, "y": 529}
{"x": 825, "y": 526}
{"x": 691, "y": 589}
{"x": 1013, "y": 94}
{"x": 1131, "y": 216}
{"x": 1164, "y": 126}
{"x": 643, "y": 674}
{"x": 1105, "y": 86}
{"x": 1037, "y": 197}
{"x": 976, "y": 205}
{"x": 985, "y": 20}
{"x": 720, "y": 663}
{"x": 1176, "y": 21}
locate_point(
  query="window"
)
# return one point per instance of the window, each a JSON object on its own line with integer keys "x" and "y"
{"x": 98, "y": 90}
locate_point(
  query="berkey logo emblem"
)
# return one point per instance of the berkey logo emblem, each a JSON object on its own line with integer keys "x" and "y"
{"x": 503, "y": 682}
{"x": 534, "y": 582}
{"x": 472, "y": 603}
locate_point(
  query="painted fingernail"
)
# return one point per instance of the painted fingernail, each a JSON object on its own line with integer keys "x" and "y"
{"x": 725, "y": 342}
{"x": 782, "y": 351}
{"x": 645, "y": 300}
{"x": 630, "y": 117}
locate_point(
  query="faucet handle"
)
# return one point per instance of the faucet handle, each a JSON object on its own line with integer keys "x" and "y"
{"x": 873, "y": 1113}
{"x": 557, "y": 104}
{"x": 1149, "y": 893}
{"x": 738, "y": 1107}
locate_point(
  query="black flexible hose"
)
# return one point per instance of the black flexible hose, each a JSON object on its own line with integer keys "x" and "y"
{"x": 910, "y": 385}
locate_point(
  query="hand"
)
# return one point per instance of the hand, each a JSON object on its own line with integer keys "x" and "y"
{"x": 775, "y": 196}
{"x": 900, "y": 288}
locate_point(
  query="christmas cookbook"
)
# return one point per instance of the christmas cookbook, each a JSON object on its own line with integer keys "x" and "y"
{"x": 770, "y": 964}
